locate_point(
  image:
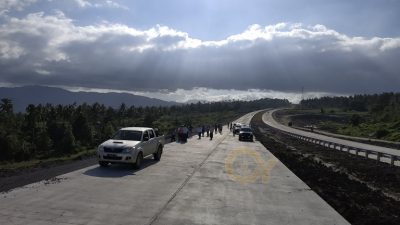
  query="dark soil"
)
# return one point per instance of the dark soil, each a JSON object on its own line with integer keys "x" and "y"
{"x": 362, "y": 190}
{"x": 47, "y": 172}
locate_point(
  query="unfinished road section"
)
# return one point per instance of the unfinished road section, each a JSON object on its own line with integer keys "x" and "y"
{"x": 389, "y": 155}
{"x": 219, "y": 181}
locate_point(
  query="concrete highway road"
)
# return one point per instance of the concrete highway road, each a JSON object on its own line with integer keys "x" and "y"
{"x": 269, "y": 120}
{"x": 222, "y": 181}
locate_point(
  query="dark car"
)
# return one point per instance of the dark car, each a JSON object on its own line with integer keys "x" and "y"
{"x": 245, "y": 133}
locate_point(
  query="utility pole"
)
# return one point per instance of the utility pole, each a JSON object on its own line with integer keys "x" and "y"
{"x": 302, "y": 97}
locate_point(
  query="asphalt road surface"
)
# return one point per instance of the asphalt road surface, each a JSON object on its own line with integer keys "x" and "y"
{"x": 222, "y": 181}
{"x": 269, "y": 120}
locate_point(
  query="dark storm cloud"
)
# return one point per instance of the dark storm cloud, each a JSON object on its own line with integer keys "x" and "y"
{"x": 52, "y": 50}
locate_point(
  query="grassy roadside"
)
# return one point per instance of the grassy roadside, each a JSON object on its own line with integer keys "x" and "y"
{"x": 350, "y": 123}
{"x": 9, "y": 167}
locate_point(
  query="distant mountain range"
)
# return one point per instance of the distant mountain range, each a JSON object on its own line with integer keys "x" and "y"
{"x": 23, "y": 96}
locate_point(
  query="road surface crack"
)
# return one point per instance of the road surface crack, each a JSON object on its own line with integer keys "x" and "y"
{"x": 158, "y": 214}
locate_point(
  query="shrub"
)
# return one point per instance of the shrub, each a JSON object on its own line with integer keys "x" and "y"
{"x": 381, "y": 133}
{"x": 355, "y": 120}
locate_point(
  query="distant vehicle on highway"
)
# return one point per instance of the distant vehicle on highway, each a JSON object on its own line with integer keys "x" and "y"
{"x": 245, "y": 133}
{"x": 236, "y": 128}
{"x": 131, "y": 145}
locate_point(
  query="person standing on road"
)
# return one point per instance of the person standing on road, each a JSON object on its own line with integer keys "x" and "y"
{"x": 211, "y": 134}
{"x": 185, "y": 133}
{"x": 199, "y": 131}
{"x": 180, "y": 133}
{"x": 173, "y": 135}
{"x": 190, "y": 130}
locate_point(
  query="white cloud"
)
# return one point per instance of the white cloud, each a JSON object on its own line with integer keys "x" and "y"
{"x": 209, "y": 94}
{"x": 100, "y": 4}
{"x": 10, "y": 50}
{"x": 19, "y": 5}
{"x": 214, "y": 95}
{"x": 113, "y": 4}
{"x": 390, "y": 43}
{"x": 83, "y": 3}
{"x": 42, "y": 72}
{"x": 281, "y": 57}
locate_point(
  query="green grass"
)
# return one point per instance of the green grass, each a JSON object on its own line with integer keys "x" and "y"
{"x": 367, "y": 128}
{"x": 329, "y": 111}
{"x": 41, "y": 162}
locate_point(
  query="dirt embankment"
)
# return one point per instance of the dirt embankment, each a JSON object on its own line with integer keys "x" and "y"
{"x": 363, "y": 191}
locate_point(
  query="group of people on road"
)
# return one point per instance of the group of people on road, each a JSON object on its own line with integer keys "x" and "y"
{"x": 208, "y": 130}
{"x": 183, "y": 132}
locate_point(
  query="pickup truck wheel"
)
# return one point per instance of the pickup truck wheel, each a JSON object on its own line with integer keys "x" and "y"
{"x": 138, "y": 162}
{"x": 157, "y": 155}
{"x": 103, "y": 164}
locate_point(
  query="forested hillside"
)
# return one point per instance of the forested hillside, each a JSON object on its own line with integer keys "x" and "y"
{"x": 373, "y": 103}
{"x": 376, "y": 116}
{"x": 23, "y": 96}
{"x": 46, "y": 131}
{"x": 386, "y": 106}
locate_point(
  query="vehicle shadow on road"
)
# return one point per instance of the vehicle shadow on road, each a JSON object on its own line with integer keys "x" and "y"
{"x": 118, "y": 170}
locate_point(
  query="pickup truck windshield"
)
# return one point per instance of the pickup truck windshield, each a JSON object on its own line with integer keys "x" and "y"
{"x": 128, "y": 135}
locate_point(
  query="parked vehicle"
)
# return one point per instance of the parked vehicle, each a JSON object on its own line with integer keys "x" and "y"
{"x": 131, "y": 145}
{"x": 236, "y": 128}
{"x": 245, "y": 133}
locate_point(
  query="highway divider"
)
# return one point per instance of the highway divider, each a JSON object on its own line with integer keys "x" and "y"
{"x": 349, "y": 149}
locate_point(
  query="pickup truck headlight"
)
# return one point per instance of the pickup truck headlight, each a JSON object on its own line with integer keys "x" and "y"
{"x": 128, "y": 150}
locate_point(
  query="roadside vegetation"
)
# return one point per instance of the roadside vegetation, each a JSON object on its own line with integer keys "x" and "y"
{"x": 54, "y": 133}
{"x": 370, "y": 116}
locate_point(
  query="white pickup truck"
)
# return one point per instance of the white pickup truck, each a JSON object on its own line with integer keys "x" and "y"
{"x": 131, "y": 145}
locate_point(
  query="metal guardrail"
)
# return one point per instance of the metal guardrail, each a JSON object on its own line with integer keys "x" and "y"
{"x": 349, "y": 149}
{"x": 341, "y": 147}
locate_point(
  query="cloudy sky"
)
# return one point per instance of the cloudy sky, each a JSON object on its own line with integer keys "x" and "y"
{"x": 204, "y": 49}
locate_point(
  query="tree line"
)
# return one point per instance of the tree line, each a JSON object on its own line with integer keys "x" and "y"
{"x": 384, "y": 107}
{"x": 45, "y": 131}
